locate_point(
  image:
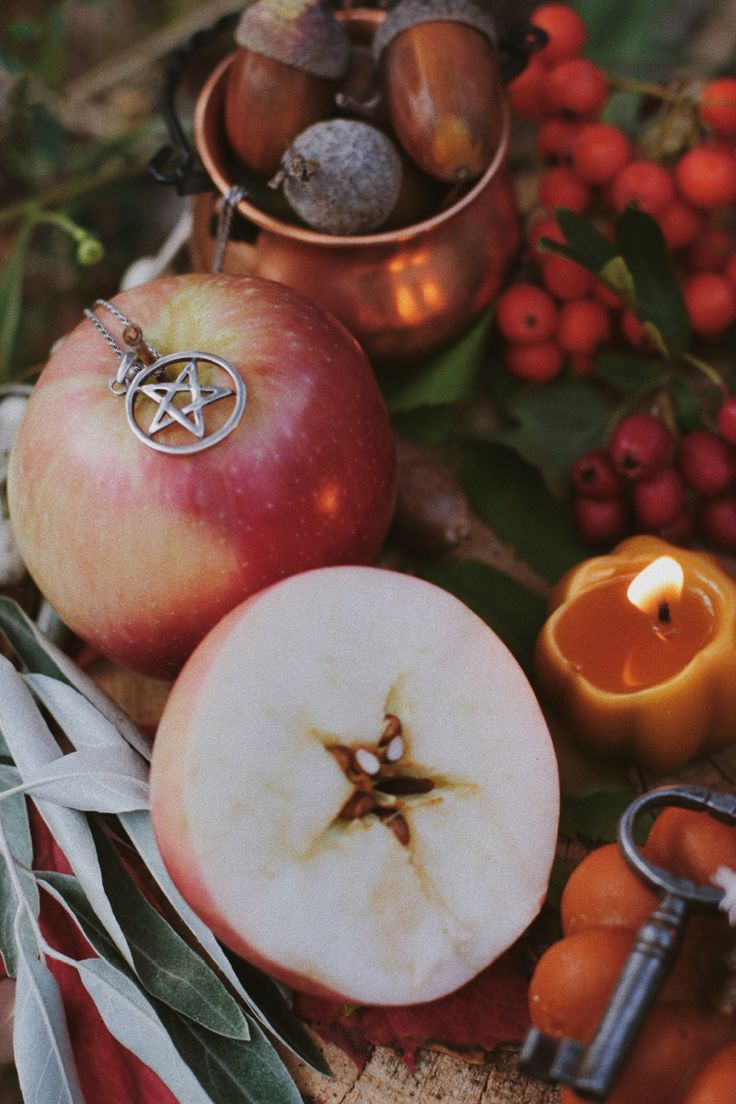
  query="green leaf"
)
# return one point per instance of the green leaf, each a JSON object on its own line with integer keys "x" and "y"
{"x": 595, "y": 816}
{"x": 131, "y": 1019}
{"x": 230, "y": 1071}
{"x": 41, "y": 656}
{"x": 14, "y": 817}
{"x": 586, "y": 245}
{"x": 511, "y": 610}
{"x": 67, "y": 890}
{"x": 11, "y": 295}
{"x": 430, "y": 426}
{"x": 658, "y": 296}
{"x": 629, "y": 372}
{"x": 687, "y": 405}
{"x": 555, "y": 425}
{"x": 167, "y": 966}
{"x": 43, "y": 1051}
{"x": 448, "y": 377}
{"x": 510, "y": 496}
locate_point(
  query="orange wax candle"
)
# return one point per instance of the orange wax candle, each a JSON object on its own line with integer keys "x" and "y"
{"x": 639, "y": 653}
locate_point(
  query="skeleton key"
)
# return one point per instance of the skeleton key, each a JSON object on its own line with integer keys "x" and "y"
{"x": 591, "y": 1071}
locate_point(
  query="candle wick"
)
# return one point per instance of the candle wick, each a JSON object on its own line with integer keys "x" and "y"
{"x": 664, "y": 625}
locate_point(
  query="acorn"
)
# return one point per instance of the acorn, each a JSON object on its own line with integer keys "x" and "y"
{"x": 441, "y": 77}
{"x": 291, "y": 57}
{"x": 341, "y": 176}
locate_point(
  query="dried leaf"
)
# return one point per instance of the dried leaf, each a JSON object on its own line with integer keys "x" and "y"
{"x": 43, "y": 1051}
{"x": 33, "y": 747}
{"x": 131, "y": 1019}
{"x": 109, "y": 780}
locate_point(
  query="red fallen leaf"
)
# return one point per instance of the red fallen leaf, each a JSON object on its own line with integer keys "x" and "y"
{"x": 108, "y": 1072}
{"x": 490, "y": 1009}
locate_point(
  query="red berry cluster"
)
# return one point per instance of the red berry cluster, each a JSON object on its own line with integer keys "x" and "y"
{"x": 649, "y": 480}
{"x": 593, "y": 168}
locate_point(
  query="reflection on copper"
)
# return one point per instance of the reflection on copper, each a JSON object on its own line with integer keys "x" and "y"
{"x": 401, "y": 292}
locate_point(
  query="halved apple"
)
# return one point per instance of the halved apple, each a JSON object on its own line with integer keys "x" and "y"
{"x": 354, "y": 786}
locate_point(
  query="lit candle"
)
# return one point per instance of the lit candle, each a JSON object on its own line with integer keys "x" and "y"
{"x": 639, "y": 653}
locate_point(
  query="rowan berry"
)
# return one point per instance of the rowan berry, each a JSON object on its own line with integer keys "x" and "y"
{"x": 608, "y": 298}
{"x": 599, "y": 152}
{"x": 726, "y": 419}
{"x": 710, "y": 300}
{"x": 645, "y": 184}
{"x": 717, "y": 106}
{"x": 706, "y": 177}
{"x": 545, "y": 227}
{"x": 584, "y": 325}
{"x": 527, "y": 93}
{"x": 601, "y": 520}
{"x": 594, "y": 476}
{"x": 565, "y": 29}
{"x": 559, "y": 187}
{"x": 582, "y": 365}
{"x": 706, "y": 462}
{"x": 710, "y": 251}
{"x": 679, "y": 223}
{"x": 679, "y": 530}
{"x": 641, "y": 445}
{"x": 565, "y": 278}
{"x": 658, "y": 499}
{"x": 537, "y": 363}
{"x": 555, "y": 138}
{"x": 577, "y": 88}
{"x": 526, "y": 314}
{"x": 634, "y": 332}
{"x": 729, "y": 270}
{"x": 716, "y": 522}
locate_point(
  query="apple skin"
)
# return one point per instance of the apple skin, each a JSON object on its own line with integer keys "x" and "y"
{"x": 140, "y": 552}
{"x": 245, "y": 796}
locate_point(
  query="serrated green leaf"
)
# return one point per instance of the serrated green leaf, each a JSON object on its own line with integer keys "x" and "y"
{"x": 167, "y": 966}
{"x": 41, "y": 1044}
{"x": 629, "y": 372}
{"x": 448, "y": 377}
{"x": 131, "y": 1019}
{"x": 513, "y": 612}
{"x": 554, "y": 425}
{"x": 658, "y": 296}
{"x": 510, "y": 496}
{"x": 595, "y": 816}
{"x": 232, "y": 1072}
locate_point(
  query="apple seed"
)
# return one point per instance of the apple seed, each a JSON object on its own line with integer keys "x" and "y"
{"x": 395, "y": 749}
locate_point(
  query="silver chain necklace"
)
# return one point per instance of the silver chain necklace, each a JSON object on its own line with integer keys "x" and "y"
{"x": 142, "y": 374}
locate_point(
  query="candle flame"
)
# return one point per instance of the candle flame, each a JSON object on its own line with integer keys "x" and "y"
{"x": 656, "y": 586}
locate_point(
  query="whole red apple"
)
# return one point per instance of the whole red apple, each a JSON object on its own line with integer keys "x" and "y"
{"x": 354, "y": 786}
{"x": 142, "y": 552}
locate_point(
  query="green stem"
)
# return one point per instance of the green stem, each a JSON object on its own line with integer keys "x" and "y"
{"x": 65, "y": 193}
{"x": 711, "y": 374}
{"x": 644, "y": 88}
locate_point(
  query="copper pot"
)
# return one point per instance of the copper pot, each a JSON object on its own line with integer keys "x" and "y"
{"x": 401, "y": 292}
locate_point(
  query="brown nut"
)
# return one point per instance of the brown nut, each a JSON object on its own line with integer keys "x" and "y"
{"x": 442, "y": 85}
{"x": 291, "y": 56}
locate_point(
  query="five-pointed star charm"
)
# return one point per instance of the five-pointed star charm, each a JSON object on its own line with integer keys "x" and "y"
{"x": 189, "y": 416}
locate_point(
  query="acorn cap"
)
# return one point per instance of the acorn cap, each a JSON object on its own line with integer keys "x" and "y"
{"x": 300, "y": 33}
{"x": 342, "y": 176}
{"x": 408, "y": 13}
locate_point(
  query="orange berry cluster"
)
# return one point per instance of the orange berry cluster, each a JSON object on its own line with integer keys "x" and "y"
{"x": 561, "y": 314}
{"x": 686, "y": 1052}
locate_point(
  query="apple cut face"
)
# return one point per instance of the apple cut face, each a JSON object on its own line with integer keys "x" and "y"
{"x": 354, "y": 786}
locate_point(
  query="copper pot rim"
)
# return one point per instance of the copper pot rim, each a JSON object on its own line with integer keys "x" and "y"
{"x": 315, "y": 237}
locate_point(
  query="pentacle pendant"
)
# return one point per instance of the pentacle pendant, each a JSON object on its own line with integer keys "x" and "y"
{"x": 184, "y": 401}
